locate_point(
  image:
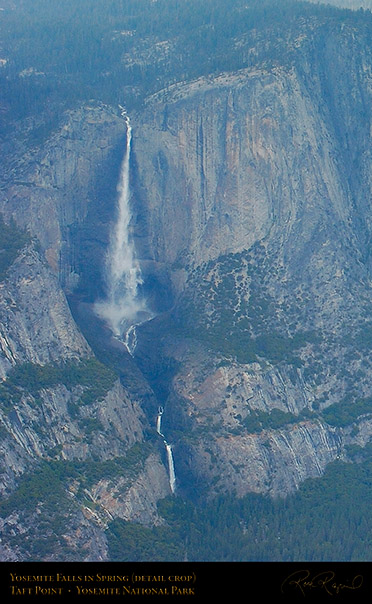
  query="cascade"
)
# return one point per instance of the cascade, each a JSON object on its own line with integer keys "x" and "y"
{"x": 172, "y": 475}
{"x": 131, "y": 339}
{"x": 123, "y": 305}
{"x": 158, "y": 421}
{"x": 168, "y": 448}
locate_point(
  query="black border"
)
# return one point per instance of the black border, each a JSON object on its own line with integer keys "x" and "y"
{"x": 186, "y": 581}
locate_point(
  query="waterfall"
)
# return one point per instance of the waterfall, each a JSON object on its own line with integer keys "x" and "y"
{"x": 172, "y": 476}
{"x": 168, "y": 448}
{"x": 158, "y": 421}
{"x": 123, "y": 306}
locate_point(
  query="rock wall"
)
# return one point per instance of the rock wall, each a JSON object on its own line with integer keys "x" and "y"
{"x": 259, "y": 169}
{"x": 90, "y": 425}
{"x": 252, "y": 225}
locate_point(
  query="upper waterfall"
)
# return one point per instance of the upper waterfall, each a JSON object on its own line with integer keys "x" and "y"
{"x": 123, "y": 306}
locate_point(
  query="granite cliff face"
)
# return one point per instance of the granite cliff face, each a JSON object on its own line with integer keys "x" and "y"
{"x": 54, "y": 188}
{"x": 59, "y": 405}
{"x": 250, "y": 195}
{"x": 270, "y": 272}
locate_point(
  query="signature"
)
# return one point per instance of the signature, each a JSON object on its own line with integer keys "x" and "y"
{"x": 303, "y": 581}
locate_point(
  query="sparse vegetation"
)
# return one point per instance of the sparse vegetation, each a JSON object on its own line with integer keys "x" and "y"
{"x": 47, "y": 482}
{"x": 238, "y": 320}
{"x": 257, "y": 421}
{"x": 347, "y": 411}
{"x": 95, "y": 378}
{"x": 12, "y": 240}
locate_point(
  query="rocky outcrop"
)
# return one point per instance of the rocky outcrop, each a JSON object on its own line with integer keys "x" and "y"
{"x": 135, "y": 501}
{"x": 272, "y": 462}
{"x": 36, "y": 322}
{"x": 61, "y": 410}
{"x": 64, "y": 192}
{"x": 270, "y": 272}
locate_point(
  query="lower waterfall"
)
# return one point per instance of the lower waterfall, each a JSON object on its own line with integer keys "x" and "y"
{"x": 168, "y": 447}
{"x": 172, "y": 475}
